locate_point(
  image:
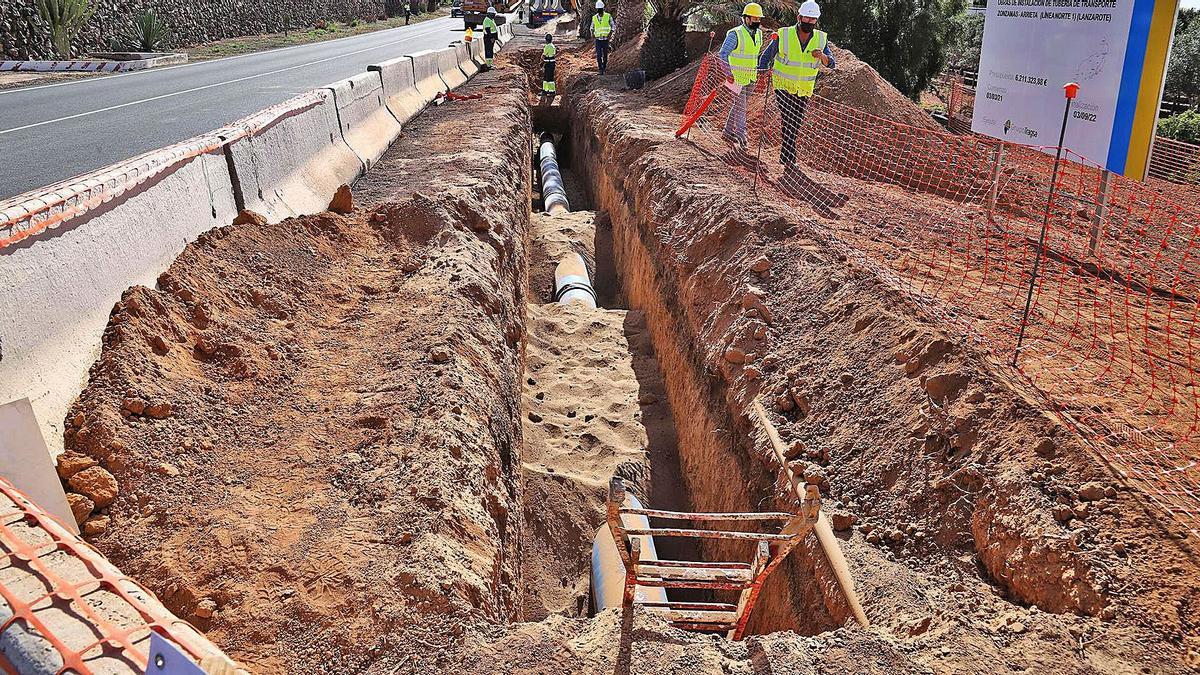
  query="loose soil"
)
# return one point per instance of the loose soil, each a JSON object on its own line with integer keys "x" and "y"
{"x": 348, "y": 473}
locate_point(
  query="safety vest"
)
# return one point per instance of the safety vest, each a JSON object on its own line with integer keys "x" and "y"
{"x": 548, "y": 53}
{"x": 489, "y": 25}
{"x": 795, "y": 69}
{"x": 602, "y": 25}
{"x": 743, "y": 61}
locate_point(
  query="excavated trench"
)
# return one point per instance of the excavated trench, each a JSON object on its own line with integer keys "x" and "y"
{"x": 703, "y": 464}
{"x": 356, "y": 420}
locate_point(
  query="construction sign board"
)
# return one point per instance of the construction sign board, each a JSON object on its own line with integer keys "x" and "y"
{"x": 1115, "y": 49}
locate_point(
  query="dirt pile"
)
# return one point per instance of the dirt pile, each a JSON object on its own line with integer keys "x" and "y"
{"x": 858, "y": 85}
{"x": 314, "y": 425}
{"x": 949, "y": 482}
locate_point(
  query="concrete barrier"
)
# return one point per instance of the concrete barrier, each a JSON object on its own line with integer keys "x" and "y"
{"x": 465, "y": 63}
{"x": 289, "y": 159}
{"x": 368, "y": 127}
{"x": 68, "y": 252}
{"x": 477, "y": 52}
{"x": 425, "y": 72}
{"x": 400, "y": 88}
{"x": 447, "y": 63}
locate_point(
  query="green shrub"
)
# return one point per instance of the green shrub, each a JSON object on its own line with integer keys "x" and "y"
{"x": 149, "y": 31}
{"x": 1184, "y": 126}
{"x": 66, "y": 18}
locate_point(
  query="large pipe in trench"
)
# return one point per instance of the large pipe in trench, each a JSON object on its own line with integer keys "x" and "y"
{"x": 554, "y": 192}
{"x": 571, "y": 283}
{"x": 608, "y": 572}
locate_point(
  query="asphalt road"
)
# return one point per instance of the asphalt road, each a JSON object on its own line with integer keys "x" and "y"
{"x": 53, "y": 132}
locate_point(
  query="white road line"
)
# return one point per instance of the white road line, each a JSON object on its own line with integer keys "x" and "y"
{"x": 194, "y": 89}
{"x": 110, "y": 78}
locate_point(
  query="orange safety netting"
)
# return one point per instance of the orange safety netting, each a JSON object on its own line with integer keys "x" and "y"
{"x": 64, "y": 592}
{"x": 954, "y": 222}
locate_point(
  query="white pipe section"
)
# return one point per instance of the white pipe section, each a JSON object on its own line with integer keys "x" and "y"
{"x": 608, "y": 572}
{"x": 554, "y": 194}
{"x": 571, "y": 283}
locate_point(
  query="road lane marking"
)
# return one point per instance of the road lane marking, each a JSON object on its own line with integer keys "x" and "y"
{"x": 192, "y": 90}
{"x": 110, "y": 78}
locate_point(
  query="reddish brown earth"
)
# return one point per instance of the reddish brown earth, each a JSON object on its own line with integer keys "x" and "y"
{"x": 333, "y": 485}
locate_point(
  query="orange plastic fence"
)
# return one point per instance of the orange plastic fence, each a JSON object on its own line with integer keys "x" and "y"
{"x": 953, "y": 221}
{"x": 111, "y": 640}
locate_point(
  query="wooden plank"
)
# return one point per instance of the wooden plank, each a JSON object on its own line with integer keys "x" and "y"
{"x": 709, "y": 534}
{"x": 716, "y": 606}
{"x": 833, "y": 552}
{"x": 670, "y": 583}
{"x": 680, "y": 515}
{"x": 697, "y": 565}
{"x": 694, "y": 615}
{"x": 705, "y": 627}
{"x": 706, "y": 574}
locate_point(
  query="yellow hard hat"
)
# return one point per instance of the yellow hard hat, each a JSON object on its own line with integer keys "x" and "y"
{"x": 753, "y": 9}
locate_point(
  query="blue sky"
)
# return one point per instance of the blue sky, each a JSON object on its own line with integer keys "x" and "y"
{"x": 1189, "y": 4}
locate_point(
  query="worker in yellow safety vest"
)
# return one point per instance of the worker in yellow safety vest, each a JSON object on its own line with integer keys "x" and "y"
{"x": 602, "y": 29}
{"x": 793, "y": 57}
{"x": 740, "y": 52}
{"x": 490, "y": 34}
{"x": 548, "y": 54}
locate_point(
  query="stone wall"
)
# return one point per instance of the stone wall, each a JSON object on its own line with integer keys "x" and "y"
{"x": 23, "y": 35}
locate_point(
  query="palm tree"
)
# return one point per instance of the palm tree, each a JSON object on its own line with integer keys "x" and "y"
{"x": 665, "y": 50}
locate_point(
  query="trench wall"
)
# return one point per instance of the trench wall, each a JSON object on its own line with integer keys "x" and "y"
{"x": 714, "y": 453}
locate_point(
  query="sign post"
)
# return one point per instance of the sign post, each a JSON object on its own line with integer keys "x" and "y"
{"x": 1071, "y": 89}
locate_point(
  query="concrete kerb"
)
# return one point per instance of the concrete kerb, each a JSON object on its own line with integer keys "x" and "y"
{"x": 117, "y": 227}
{"x": 400, "y": 88}
{"x": 447, "y": 64}
{"x": 465, "y": 63}
{"x": 368, "y": 127}
{"x": 425, "y": 72}
{"x": 289, "y": 159}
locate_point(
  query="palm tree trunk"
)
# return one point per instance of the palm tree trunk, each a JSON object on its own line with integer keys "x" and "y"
{"x": 664, "y": 49}
{"x": 629, "y": 17}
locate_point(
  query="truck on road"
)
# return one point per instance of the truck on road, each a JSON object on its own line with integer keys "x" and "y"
{"x": 475, "y": 11}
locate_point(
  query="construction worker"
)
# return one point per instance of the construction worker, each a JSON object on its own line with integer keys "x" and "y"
{"x": 548, "y": 54}
{"x": 490, "y": 35}
{"x": 793, "y": 58}
{"x": 740, "y": 52}
{"x": 602, "y": 28}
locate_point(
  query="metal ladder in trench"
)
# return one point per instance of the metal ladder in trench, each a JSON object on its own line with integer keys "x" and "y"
{"x": 746, "y": 577}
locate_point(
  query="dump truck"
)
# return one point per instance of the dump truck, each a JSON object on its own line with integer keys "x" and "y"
{"x": 475, "y": 11}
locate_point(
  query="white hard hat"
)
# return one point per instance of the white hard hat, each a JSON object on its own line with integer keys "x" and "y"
{"x": 492, "y": 10}
{"x": 599, "y": 4}
{"x": 810, "y": 9}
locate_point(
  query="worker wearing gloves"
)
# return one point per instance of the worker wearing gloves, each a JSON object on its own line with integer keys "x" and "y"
{"x": 548, "y": 54}
{"x": 490, "y": 34}
{"x": 793, "y": 57}
{"x": 602, "y": 28}
{"x": 740, "y": 52}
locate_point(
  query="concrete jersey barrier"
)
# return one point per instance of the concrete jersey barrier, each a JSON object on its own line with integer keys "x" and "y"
{"x": 477, "y": 52}
{"x": 367, "y": 125}
{"x": 425, "y": 72}
{"x": 289, "y": 159}
{"x": 465, "y": 63}
{"x": 68, "y": 253}
{"x": 400, "y": 88}
{"x": 447, "y": 64}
